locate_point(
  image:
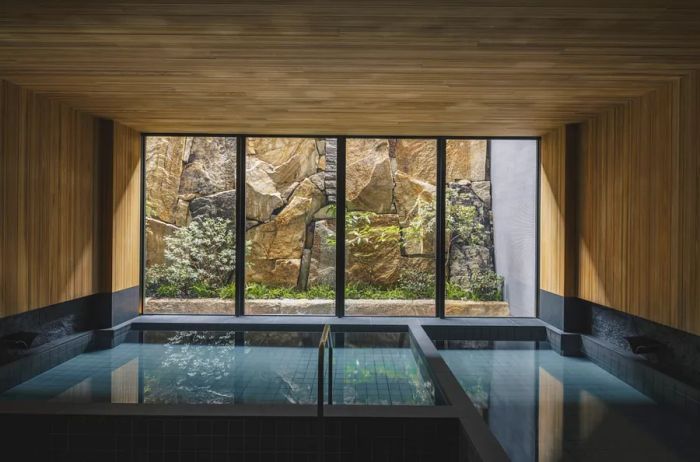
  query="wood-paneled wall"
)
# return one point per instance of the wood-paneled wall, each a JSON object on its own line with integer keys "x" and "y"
{"x": 126, "y": 208}
{"x": 49, "y": 199}
{"x": 636, "y": 215}
{"x": 553, "y": 211}
{"x": 53, "y": 212}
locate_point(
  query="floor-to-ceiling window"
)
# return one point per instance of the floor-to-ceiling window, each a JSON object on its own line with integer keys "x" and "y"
{"x": 290, "y": 225}
{"x": 390, "y": 226}
{"x": 390, "y": 200}
{"x": 490, "y": 227}
{"x": 190, "y": 192}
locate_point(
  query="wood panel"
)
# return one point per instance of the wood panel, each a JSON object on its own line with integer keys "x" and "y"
{"x": 553, "y": 211}
{"x": 126, "y": 208}
{"x": 49, "y": 196}
{"x": 637, "y": 219}
{"x": 369, "y": 67}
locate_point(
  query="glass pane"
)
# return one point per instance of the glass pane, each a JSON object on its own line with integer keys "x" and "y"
{"x": 490, "y": 228}
{"x": 190, "y": 224}
{"x": 390, "y": 222}
{"x": 290, "y": 225}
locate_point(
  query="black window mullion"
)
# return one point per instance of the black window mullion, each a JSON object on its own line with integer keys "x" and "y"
{"x": 440, "y": 249}
{"x": 240, "y": 226}
{"x": 340, "y": 230}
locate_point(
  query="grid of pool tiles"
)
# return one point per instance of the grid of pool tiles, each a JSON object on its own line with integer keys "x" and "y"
{"x": 229, "y": 374}
{"x": 389, "y": 376}
{"x": 540, "y": 404}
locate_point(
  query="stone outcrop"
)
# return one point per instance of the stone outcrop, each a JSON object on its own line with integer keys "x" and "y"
{"x": 467, "y": 160}
{"x": 291, "y": 159}
{"x": 413, "y": 196}
{"x": 417, "y": 159}
{"x": 262, "y": 196}
{"x": 210, "y": 166}
{"x": 163, "y": 170}
{"x": 290, "y": 204}
{"x": 466, "y": 258}
{"x": 376, "y": 261}
{"x": 322, "y": 263}
{"x": 220, "y": 205}
{"x": 156, "y": 232}
{"x": 369, "y": 185}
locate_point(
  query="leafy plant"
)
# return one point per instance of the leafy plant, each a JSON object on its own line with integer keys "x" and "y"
{"x": 228, "y": 291}
{"x": 202, "y": 290}
{"x": 461, "y": 220}
{"x": 419, "y": 284}
{"x": 483, "y": 285}
{"x": 198, "y": 258}
{"x": 486, "y": 285}
{"x": 167, "y": 291}
{"x": 255, "y": 290}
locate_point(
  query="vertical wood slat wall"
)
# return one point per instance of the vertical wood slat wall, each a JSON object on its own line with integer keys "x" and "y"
{"x": 126, "y": 208}
{"x": 637, "y": 219}
{"x": 552, "y": 211}
{"x": 52, "y": 204}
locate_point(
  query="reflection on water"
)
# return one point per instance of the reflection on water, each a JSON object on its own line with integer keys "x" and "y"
{"x": 235, "y": 368}
{"x": 545, "y": 407}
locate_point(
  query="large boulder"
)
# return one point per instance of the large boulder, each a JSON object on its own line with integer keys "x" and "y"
{"x": 164, "y": 163}
{"x": 467, "y": 160}
{"x": 284, "y": 236}
{"x": 275, "y": 273}
{"x": 417, "y": 159}
{"x": 210, "y": 167}
{"x": 369, "y": 182}
{"x": 220, "y": 205}
{"x": 376, "y": 260}
{"x": 322, "y": 267}
{"x": 291, "y": 159}
{"x": 156, "y": 232}
{"x": 262, "y": 196}
{"x": 414, "y": 198}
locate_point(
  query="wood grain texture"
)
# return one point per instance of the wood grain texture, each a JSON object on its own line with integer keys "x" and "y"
{"x": 49, "y": 202}
{"x": 553, "y": 211}
{"x": 637, "y": 218}
{"x": 371, "y": 67}
{"x": 126, "y": 208}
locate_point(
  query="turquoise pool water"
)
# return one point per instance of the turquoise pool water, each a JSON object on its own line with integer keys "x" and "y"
{"x": 545, "y": 407}
{"x": 236, "y": 368}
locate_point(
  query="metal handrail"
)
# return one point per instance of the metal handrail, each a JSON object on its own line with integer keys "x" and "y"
{"x": 325, "y": 342}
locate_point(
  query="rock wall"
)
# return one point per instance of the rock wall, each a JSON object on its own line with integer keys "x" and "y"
{"x": 186, "y": 177}
{"x": 290, "y": 197}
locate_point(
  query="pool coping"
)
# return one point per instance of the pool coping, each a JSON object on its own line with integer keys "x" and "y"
{"x": 479, "y": 438}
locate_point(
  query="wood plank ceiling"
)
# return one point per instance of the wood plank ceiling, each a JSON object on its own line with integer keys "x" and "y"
{"x": 430, "y": 67}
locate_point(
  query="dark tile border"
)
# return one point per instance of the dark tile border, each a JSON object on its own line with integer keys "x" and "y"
{"x": 639, "y": 374}
{"x": 44, "y": 358}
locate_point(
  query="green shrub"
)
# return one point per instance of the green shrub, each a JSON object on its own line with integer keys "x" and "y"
{"x": 202, "y": 290}
{"x": 166, "y": 291}
{"x": 228, "y": 291}
{"x": 486, "y": 286}
{"x": 416, "y": 283}
{"x": 455, "y": 292}
{"x": 321, "y": 292}
{"x": 198, "y": 258}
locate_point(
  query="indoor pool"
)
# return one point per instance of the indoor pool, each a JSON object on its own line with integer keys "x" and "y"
{"x": 197, "y": 367}
{"x": 544, "y": 406}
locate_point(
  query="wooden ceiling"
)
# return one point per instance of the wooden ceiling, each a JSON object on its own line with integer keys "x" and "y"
{"x": 430, "y": 67}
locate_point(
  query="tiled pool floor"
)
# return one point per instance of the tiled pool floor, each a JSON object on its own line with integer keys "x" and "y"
{"x": 545, "y": 407}
{"x": 229, "y": 374}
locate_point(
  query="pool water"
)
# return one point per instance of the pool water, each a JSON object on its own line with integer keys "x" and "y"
{"x": 236, "y": 368}
{"x": 546, "y": 407}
